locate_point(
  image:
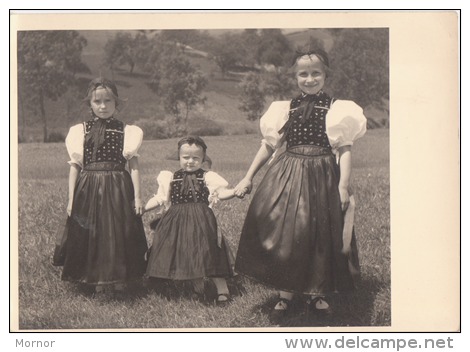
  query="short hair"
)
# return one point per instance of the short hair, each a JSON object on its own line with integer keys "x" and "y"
{"x": 192, "y": 140}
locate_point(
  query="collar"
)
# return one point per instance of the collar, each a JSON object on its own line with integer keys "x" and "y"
{"x": 108, "y": 120}
{"x": 304, "y": 95}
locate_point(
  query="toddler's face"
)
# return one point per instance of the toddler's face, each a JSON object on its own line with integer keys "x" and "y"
{"x": 191, "y": 157}
{"x": 102, "y": 103}
{"x": 310, "y": 74}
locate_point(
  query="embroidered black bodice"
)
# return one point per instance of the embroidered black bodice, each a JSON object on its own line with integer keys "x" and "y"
{"x": 111, "y": 149}
{"x": 183, "y": 192}
{"x": 311, "y": 129}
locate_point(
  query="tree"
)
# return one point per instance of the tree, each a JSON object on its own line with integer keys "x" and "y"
{"x": 120, "y": 51}
{"x": 250, "y": 40}
{"x": 279, "y": 84}
{"x": 141, "y": 48}
{"x": 47, "y": 64}
{"x": 182, "y": 36}
{"x": 360, "y": 61}
{"x": 274, "y": 48}
{"x": 253, "y": 96}
{"x": 196, "y": 39}
{"x": 227, "y": 52}
{"x": 178, "y": 83}
{"x": 312, "y": 44}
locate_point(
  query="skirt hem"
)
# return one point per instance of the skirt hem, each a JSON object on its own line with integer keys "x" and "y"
{"x": 177, "y": 278}
{"x": 130, "y": 281}
{"x": 316, "y": 293}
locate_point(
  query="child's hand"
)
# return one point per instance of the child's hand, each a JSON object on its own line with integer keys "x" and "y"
{"x": 214, "y": 197}
{"x": 139, "y": 208}
{"x": 69, "y": 207}
{"x": 243, "y": 187}
{"x": 344, "y": 196}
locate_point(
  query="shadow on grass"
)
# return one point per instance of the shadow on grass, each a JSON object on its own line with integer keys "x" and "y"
{"x": 228, "y": 78}
{"x": 354, "y": 309}
{"x": 133, "y": 292}
{"x": 206, "y": 294}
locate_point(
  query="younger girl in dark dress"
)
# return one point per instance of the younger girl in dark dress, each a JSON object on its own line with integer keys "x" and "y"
{"x": 297, "y": 236}
{"x": 104, "y": 243}
{"x": 186, "y": 244}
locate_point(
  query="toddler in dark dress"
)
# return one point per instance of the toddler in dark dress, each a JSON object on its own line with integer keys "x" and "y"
{"x": 186, "y": 244}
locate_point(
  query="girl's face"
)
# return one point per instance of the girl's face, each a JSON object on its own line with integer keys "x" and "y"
{"x": 310, "y": 74}
{"x": 102, "y": 103}
{"x": 191, "y": 157}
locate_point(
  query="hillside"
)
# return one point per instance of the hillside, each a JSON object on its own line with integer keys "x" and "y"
{"x": 220, "y": 112}
{"x": 301, "y": 37}
{"x": 221, "y": 108}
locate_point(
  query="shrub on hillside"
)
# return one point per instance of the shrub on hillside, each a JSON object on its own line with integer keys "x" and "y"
{"x": 208, "y": 131}
{"x": 377, "y": 114}
{"x": 154, "y": 129}
{"x": 205, "y": 127}
{"x": 160, "y": 129}
{"x": 55, "y": 137}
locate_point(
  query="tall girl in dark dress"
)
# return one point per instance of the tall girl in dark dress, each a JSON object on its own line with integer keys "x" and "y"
{"x": 104, "y": 243}
{"x": 297, "y": 236}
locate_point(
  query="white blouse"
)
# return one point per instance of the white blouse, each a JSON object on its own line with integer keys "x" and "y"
{"x": 75, "y": 139}
{"x": 345, "y": 122}
{"x": 214, "y": 182}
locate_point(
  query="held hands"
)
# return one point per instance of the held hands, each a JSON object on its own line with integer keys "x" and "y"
{"x": 243, "y": 187}
{"x": 213, "y": 198}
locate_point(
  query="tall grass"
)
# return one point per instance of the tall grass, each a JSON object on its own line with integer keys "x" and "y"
{"x": 45, "y": 302}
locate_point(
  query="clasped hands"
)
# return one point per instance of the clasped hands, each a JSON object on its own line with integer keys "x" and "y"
{"x": 243, "y": 187}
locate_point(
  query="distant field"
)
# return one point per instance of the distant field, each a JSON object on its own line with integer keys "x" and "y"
{"x": 45, "y": 302}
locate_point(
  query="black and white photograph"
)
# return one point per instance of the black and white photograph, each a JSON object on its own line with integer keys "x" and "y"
{"x": 236, "y": 175}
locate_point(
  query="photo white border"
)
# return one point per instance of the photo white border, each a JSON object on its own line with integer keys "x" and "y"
{"x": 415, "y": 39}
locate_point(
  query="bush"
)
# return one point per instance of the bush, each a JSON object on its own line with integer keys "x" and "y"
{"x": 377, "y": 114}
{"x": 55, "y": 137}
{"x": 155, "y": 129}
{"x": 164, "y": 129}
{"x": 201, "y": 126}
{"x": 209, "y": 130}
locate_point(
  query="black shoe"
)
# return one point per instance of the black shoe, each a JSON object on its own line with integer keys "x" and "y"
{"x": 318, "y": 303}
{"x": 281, "y": 308}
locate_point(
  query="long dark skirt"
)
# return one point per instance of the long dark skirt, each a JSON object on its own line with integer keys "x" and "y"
{"x": 292, "y": 236}
{"x": 104, "y": 240}
{"x": 185, "y": 245}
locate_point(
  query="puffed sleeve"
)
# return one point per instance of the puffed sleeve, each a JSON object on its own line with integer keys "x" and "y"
{"x": 272, "y": 121}
{"x": 74, "y": 143}
{"x": 345, "y": 123}
{"x": 215, "y": 182}
{"x": 133, "y": 136}
{"x": 162, "y": 197}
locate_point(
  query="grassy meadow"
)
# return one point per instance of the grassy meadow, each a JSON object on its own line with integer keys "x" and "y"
{"x": 45, "y": 302}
